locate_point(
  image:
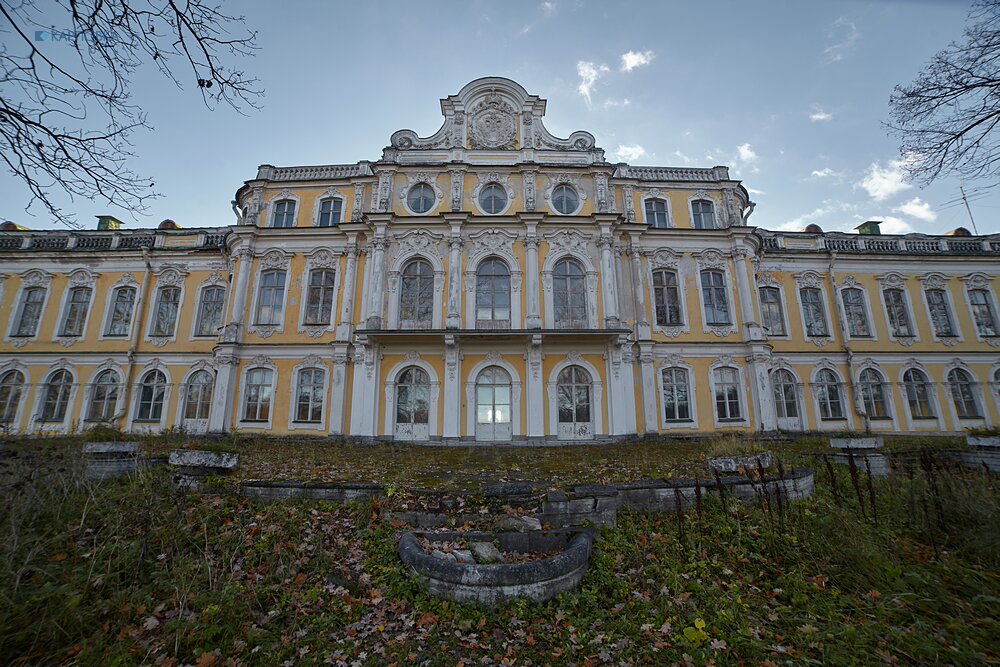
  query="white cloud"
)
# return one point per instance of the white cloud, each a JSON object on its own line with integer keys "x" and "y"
{"x": 630, "y": 153}
{"x": 633, "y": 59}
{"x": 548, "y": 7}
{"x": 610, "y": 103}
{"x": 589, "y": 73}
{"x": 883, "y": 183}
{"x": 826, "y": 172}
{"x": 820, "y": 116}
{"x": 683, "y": 158}
{"x": 745, "y": 153}
{"x": 756, "y": 192}
{"x": 797, "y": 224}
{"x": 893, "y": 225}
{"x": 917, "y": 208}
{"x": 843, "y": 35}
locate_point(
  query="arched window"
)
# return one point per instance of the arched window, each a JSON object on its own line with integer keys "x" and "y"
{"x": 55, "y": 396}
{"x": 565, "y": 200}
{"x": 413, "y": 390}
{"x": 918, "y": 394}
{"x": 963, "y": 393}
{"x": 330, "y": 210}
{"x": 493, "y": 198}
{"x": 727, "y": 394}
{"x": 103, "y": 397}
{"x": 855, "y": 313}
{"x": 11, "y": 387}
{"x": 421, "y": 198}
{"x": 122, "y": 304}
{"x": 309, "y": 395}
{"x": 676, "y": 395}
{"x": 416, "y": 298}
{"x": 152, "y": 390}
{"x": 257, "y": 399}
{"x": 77, "y": 307}
{"x": 713, "y": 291}
{"x": 198, "y": 397}
{"x": 666, "y": 298}
{"x": 168, "y": 301}
{"x": 213, "y": 302}
{"x": 702, "y": 214}
{"x": 31, "y": 311}
{"x": 320, "y": 296}
{"x": 493, "y": 295}
{"x": 786, "y": 399}
{"x": 493, "y": 398}
{"x": 827, "y": 390}
{"x": 284, "y": 213}
{"x": 656, "y": 213}
{"x": 873, "y": 394}
{"x": 574, "y": 402}
{"x": 569, "y": 295}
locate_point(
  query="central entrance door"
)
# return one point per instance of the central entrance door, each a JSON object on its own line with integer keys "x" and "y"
{"x": 493, "y": 405}
{"x": 574, "y": 396}
{"x": 413, "y": 389}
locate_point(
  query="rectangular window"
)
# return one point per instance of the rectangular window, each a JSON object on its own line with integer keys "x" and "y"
{"x": 329, "y": 212}
{"x": 167, "y": 303}
{"x": 982, "y": 313}
{"x": 213, "y": 302}
{"x": 309, "y": 402}
{"x": 899, "y": 316}
{"x": 31, "y": 311}
{"x": 76, "y": 311}
{"x": 713, "y": 289}
{"x": 676, "y": 402}
{"x": 271, "y": 298}
{"x": 771, "y": 312}
{"x": 727, "y": 394}
{"x": 702, "y": 215}
{"x": 257, "y": 403}
{"x": 856, "y": 314}
{"x": 937, "y": 302}
{"x": 319, "y": 299}
{"x": 813, "y": 312}
{"x": 656, "y": 213}
{"x": 121, "y": 311}
{"x": 666, "y": 298}
{"x": 284, "y": 214}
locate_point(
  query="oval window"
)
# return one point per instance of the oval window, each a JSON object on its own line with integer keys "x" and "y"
{"x": 493, "y": 198}
{"x": 421, "y": 198}
{"x": 565, "y": 199}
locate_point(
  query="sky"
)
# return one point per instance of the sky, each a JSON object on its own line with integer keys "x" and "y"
{"x": 792, "y": 96}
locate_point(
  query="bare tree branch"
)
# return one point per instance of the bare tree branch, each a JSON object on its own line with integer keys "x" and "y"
{"x": 66, "y": 114}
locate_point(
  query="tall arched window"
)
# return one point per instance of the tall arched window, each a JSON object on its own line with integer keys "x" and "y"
{"x": 676, "y": 395}
{"x": 198, "y": 397}
{"x": 656, "y": 213}
{"x": 493, "y": 404}
{"x": 11, "y": 387}
{"x": 918, "y": 394}
{"x": 152, "y": 390}
{"x": 786, "y": 398}
{"x": 873, "y": 394}
{"x": 827, "y": 390}
{"x": 569, "y": 295}
{"x": 573, "y": 386}
{"x": 416, "y": 296}
{"x": 963, "y": 394}
{"x": 413, "y": 399}
{"x": 493, "y": 295}
{"x": 55, "y": 396}
{"x": 103, "y": 396}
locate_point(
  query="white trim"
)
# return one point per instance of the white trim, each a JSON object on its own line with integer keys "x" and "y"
{"x": 169, "y": 276}
{"x": 553, "y": 257}
{"x": 491, "y": 178}
{"x": 472, "y": 285}
{"x": 412, "y": 180}
{"x": 850, "y": 284}
{"x": 932, "y": 398}
{"x": 552, "y": 181}
{"x": 666, "y": 259}
{"x": 813, "y": 280}
{"x": 994, "y": 384}
{"x": 29, "y": 279}
{"x": 35, "y": 424}
{"x": 412, "y": 359}
{"x": 890, "y": 281}
{"x": 133, "y": 423}
{"x": 939, "y": 281}
{"x": 78, "y": 278}
{"x": 127, "y": 279}
{"x": 22, "y": 401}
{"x": 213, "y": 280}
{"x": 321, "y": 259}
{"x": 721, "y": 363}
{"x": 88, "y": 393}
{"x": 470, "y": 393}
{"x": 713, "y": 260}
{"x": 701, "y": 195}
{"x": 977, "y": 395}
{"x": 656, "y": 195}
{"x": 981, "y": 281}
{"x": 781, "y": 364}
{"x": 330, "y": 193}
{"x": 311, "y": 361}
{"x": 394, "y": 281}
{"x": 273, "y": 259}
{"x": 766, "y": 281}
{"x": 182, "y": 395}
{"x": 844, "y": 393}
{"x": 239, "y": 418}
{"x": 284, "y": 195}
{"x": 676, "y": 362}
{"x": 890, "y": 424}
{"x": 597, "y": 393}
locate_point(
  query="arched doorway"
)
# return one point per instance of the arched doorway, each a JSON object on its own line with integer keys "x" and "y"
{"x": 493, "y": 405}
{"x": 413, "y": 398}
{"x": 574, "y": 401}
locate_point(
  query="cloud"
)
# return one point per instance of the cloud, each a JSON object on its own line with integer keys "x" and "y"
{"x": 611, "y": 102}
{"x": 756, "y": 192}
{"x": 916, "y": 208}
{"x": 589, "y": 73}
{"x": 893, "y": 225}
{"x": 630, "y": 153}
{"x": 883, "y": 183}
{"x": 745, "y": 153}
{"x": 819, "y": 116}
{"x": 683, "y": 158}
{"x": 633, "y": 59}
{"x": 826, "y": 172}
{"x": 548, "y": 7}
{"x": 799, "y": 223}
{"x": 842, "y": 37}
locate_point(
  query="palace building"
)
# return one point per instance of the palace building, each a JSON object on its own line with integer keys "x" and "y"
{"x": 492, "y": 282}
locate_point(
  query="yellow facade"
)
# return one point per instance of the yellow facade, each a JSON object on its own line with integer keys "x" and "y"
{"x": 493, "y": 282}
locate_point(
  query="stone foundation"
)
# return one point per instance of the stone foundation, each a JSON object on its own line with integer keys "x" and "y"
{"x": 110, "y": 459}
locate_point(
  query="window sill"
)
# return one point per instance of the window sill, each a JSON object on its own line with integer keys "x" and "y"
{"x": 49, "y": 421}
{"x": 880, "y": 419}
{"x": 833, "y": 419}
{"x": 678, "y": 421}
{"x": 146, "y": 421}
{"x": 925, "y": 418}
{"x": 255, "y": 421}
{"x": 318, "y": 422}
{"x": 718, "y": 324}
{"x": 731, "y": 420}
{"x": 971, "y": 417}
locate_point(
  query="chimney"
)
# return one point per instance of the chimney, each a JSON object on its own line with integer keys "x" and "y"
{"x": 869, "y": 228}
{"x": 108, "y": 223}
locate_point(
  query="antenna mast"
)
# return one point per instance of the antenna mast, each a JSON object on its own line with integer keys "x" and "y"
{"x": 971, "y": 219}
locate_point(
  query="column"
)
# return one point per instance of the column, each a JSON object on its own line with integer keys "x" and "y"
{"x": 532, "y": 319}
{"x": 760, "y": 387}
{"x": 452, "y": 390}
{"x": 233, "y": 333}
{"x": 649, "y": 412}
{"x": 454, "y": 317}
{"x": 226, "y": 379}
{"x": 639, "y": 287}
{"x": 535, "y": 390}
{"x": 377, "y": 291}
{"x": 365, "y": 395}
{"x": 751, "y": 329}
{"x": 346, "y": 324}
{"x": 338, "y": 387}
{"x": 610, "y": 288}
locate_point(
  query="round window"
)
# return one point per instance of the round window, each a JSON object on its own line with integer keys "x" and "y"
{"x": 493, "y": 198}
{"x": 421, "y": 198}
{"x": 564, "y": 199}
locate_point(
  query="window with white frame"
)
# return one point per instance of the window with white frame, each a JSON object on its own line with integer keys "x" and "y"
{"x": 257, "y": 399}
{"x": 271, "y": 298}
{"x": 771, "y": 311}
{"x": 319, "y": 296}
{"x": 569, "y": 295}
{"x": 667, "y": 298}
{"x": 918, "y": 396}
{"x": 413, "y": 390}
{"x": 982, "y": 312}
{"x": 856, "y": 313}
{"x": 813, "y": 312}
{"x": 103, "y": 396}
{"x": 727, "y": 394}
{"x": 168, "y": 301}
{"x": 122, "y": 305}
{"x": 786, "y": 400}
{"x": 899, "y": 315}
{"x": 55, "y": 396}
{"x": 11, "y": 388}
{"x": 657, "y": 213}
{"x": 330, "y": 211}
{"x": 421, "y": 198}
{"x": 828, "y": 395}
{"x": 77, "y": 306}
{"x": 873, "y": 394}
{"x": 702, "y": 214}
{"x": 940, "y": 310}
{"x": 198, "y": 395}
{"x": 715, "y": 298}
{"x": 493, "y": 199}
{"x": 416, "y": 295}
{"x": 284, "y": 214}
{"x": 492, "y": 294}
{"x": 565, "y": 200}
{"x": 963, "y": 394}
{"x": 210, "y": 310}
{"x": 676, "y": 395}
{"x": 30, "y": 312}
{"x": 152, "y": 391}
{"x": 309, "y": 395}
